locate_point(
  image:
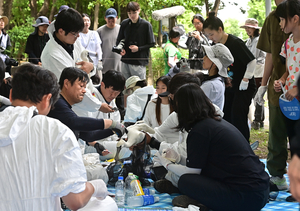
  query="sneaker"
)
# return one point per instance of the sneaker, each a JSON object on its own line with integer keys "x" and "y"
{"x": 184, "y": 201}
{"x": 278, "y": 183}
{"x": 255, "y": 125}
{"x": 165, "y": 186}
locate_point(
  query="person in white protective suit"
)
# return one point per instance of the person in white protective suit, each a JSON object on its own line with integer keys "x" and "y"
{"x": 40, "y": 159}
{"x": 139, "y": 94}
{"x": 170, "y": 142}
{"x": 112, "y": 85}
{"x": 64, "y": 50}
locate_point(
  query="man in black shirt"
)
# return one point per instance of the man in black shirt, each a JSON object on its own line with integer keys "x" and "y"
{"x": 72, "y": 83}
{"x": 139, "y": 38}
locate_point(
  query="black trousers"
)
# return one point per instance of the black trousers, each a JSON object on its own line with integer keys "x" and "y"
{"x": 236, "y": 109}
{"x": 219, "y": 196}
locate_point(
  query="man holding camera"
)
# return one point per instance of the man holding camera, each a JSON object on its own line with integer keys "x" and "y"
{"x": 136, "y": 37}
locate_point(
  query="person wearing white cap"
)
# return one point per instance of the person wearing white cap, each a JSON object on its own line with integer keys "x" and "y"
{"x": 252, "y": 29}
{"x": 37, "y": 40}
{"x": 4, "y": 38}
{"x": 216, "y": 61}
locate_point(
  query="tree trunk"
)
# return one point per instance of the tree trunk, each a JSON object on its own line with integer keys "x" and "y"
{"x": 206, "y": 8}
{"x": 53, "y": 11}
{"x": 7, "y": 6}
{"x": 1, "y": 7}
{"x": 33, "y": 8}
{"x": 172, "y": 22}
{"x": 45, "y": 8}
{"x": 96, "y": 16}
{"x": 216, "y": 6}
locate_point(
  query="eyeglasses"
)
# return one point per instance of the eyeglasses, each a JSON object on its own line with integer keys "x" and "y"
{"x": 197, "y": 23}
{"x": 75, "y": 34}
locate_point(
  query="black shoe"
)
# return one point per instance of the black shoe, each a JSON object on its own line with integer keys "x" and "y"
{"x": 184, "y": 201}
{"x": 255, "y": 125}
{"x": 290, "y": 199}
{"x": 145, "y": 182}
{"x": 165, "y": 186}
{"x": 261, "y": 124}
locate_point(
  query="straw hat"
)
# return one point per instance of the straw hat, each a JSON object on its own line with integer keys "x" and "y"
{"x": 252, "y": 23}
{"x": 5, "y": 19}
{"x": 220, "y": 55}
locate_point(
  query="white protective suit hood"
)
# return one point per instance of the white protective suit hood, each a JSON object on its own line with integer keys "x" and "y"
{"x": 16, "y": 118}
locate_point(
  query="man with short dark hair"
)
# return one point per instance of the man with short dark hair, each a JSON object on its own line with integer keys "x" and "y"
{"x": 40, "y": 159}
{"x": 112, "y": 84}
{"x": 64, "y": 50}
{"x": 139, "y": 38}
{"x": 73, "y": 83}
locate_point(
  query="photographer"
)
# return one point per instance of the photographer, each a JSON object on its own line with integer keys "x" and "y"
{"x": 137, "y": 36}
{"x": 194, "y": 42}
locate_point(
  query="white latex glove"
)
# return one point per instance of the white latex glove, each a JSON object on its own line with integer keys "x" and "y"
{"x": 163, "y": 161}
{"x": 134, "y": 135}
{"x": 259, "y": 97}
{"x": 100, "y": 189}
{"x": 244, "y": 85}
{"x": 171, "y": 155}
{"x": 4, "y": 100}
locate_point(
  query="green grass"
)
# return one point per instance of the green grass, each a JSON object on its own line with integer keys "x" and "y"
{"x": 262, "y": 136}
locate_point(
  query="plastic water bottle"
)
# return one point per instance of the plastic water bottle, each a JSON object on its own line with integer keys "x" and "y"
{"x": 136, "y": 186}
{"x": 119, "y": 197}
{"x": 137, "y": 201}
{"x": 148, "y": 191}
{"x": 128, "y": 189}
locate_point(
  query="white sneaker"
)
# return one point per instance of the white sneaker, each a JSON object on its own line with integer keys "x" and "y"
{"x": 277, "y": 183}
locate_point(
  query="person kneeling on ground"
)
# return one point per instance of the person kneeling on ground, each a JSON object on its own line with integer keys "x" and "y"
{"x": 225, "y": 174}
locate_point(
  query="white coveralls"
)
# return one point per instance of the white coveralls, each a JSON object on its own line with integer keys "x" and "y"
{"x": 110, "y": 143}
{"x": 136, "y": 102}
{"x": 55, "y": 58}
{"x": 40, "y": 161}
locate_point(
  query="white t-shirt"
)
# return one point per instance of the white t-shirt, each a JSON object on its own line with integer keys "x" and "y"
{"x": 214, "y": 89}
{"x": 150, "y": 114}
{"x": 91, "y": 42}
{"x": 40, "y": 161}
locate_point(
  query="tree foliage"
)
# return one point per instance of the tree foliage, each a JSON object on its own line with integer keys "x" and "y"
{"x": 257, "y": 10}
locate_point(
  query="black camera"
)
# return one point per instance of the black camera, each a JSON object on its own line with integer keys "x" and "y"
{"x": 11, "y": 62}
{"x": 118, "y": 49}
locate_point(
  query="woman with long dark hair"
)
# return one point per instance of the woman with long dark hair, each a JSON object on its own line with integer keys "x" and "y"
{"x": 159, "y": 108}
{"x": 225, "y": 172}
